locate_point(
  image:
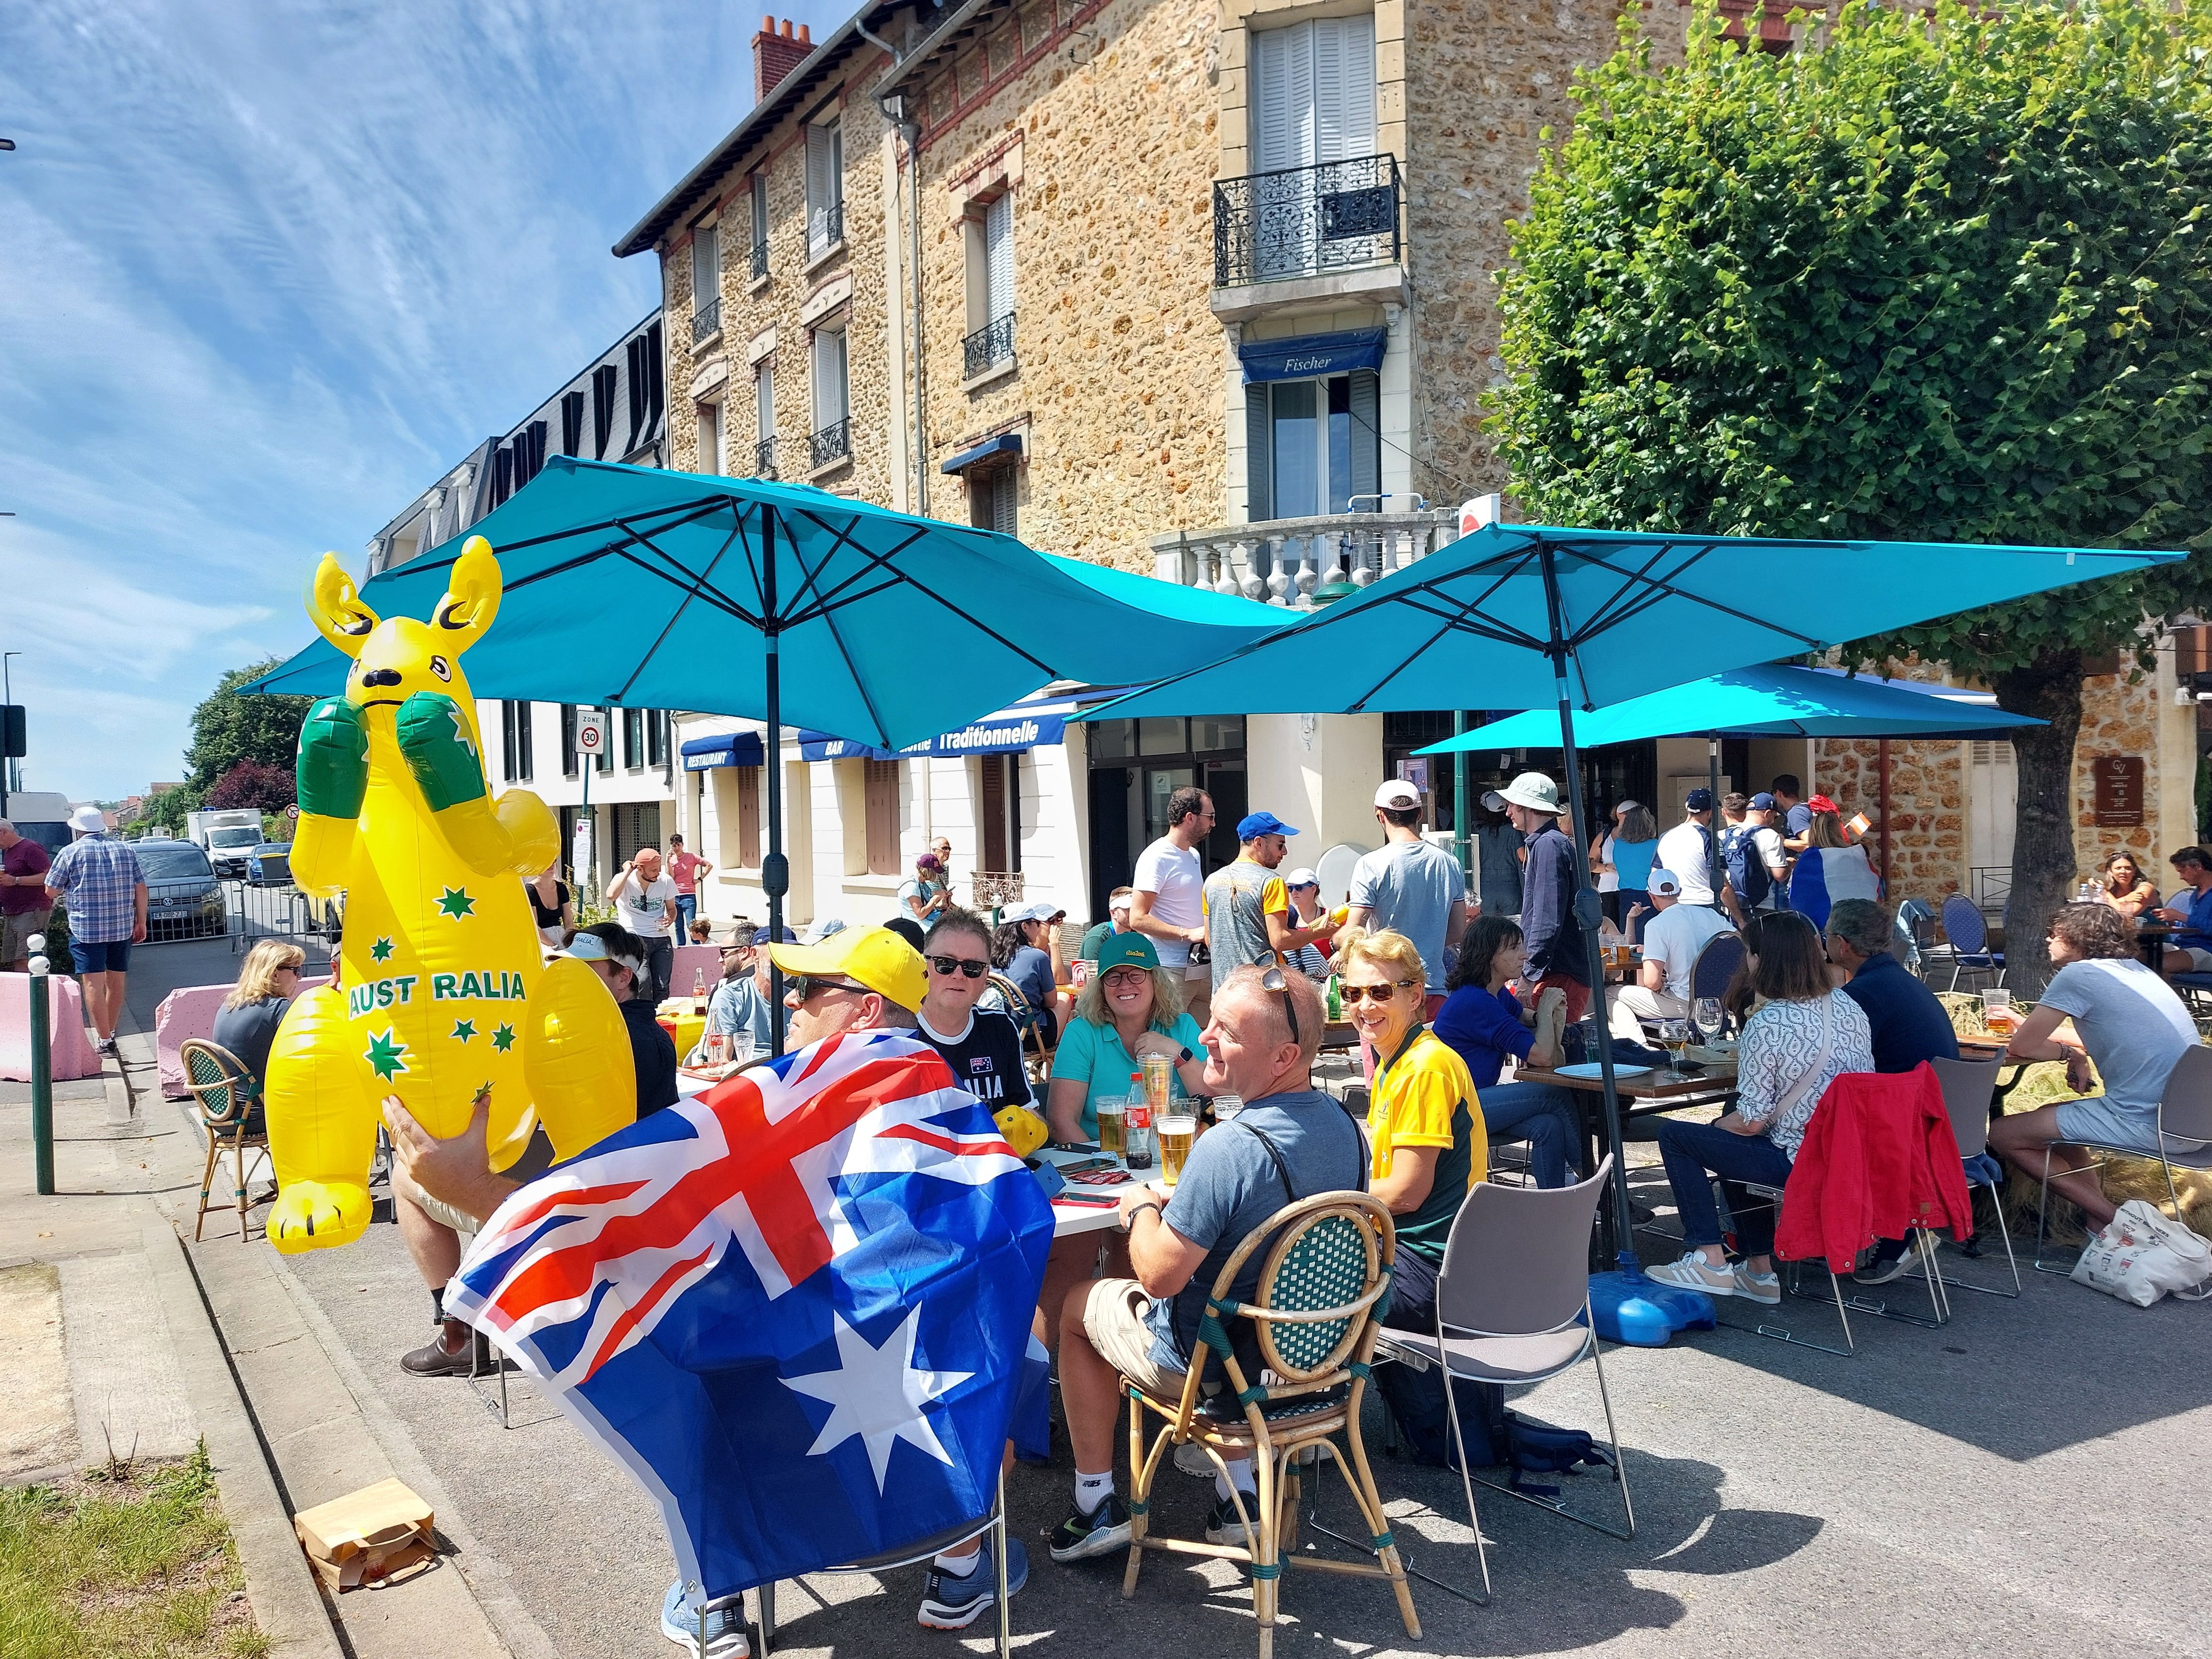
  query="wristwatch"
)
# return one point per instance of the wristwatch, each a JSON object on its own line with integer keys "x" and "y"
{"x": 1135, "y": 1210}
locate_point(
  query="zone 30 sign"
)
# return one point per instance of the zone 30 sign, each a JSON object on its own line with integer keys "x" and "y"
{"x": 590, "y": 733}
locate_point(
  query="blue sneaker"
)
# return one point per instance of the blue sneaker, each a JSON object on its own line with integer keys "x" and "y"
{"x": 723, "y": 1626}
{"x": 950, "y": 1603}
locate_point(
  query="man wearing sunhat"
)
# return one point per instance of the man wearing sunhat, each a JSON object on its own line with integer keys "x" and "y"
{"x": 99, "y": 877}
{"x": 1556, "y": 957}
{"x": 1409, "y": 886}
{"x": 1247, "y": 906}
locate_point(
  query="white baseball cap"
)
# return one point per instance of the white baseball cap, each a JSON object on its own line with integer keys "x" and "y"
{"x": 1665, "y": 883}
{"x": 1302, "y": 878}
{"x": 1397, "y": 796}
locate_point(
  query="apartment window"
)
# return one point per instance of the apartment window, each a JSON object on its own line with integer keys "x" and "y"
{"x": 880, "y": 799}
{"x": 710, "y": 439}
{"x": 603, "y": 409}
{"x": 832, "y": 433}
{"x": 656, "y": 736}
{"x": 1314, "y": 93}
{"x": 606, "y": 761}
{"x": 990, "y": 339}
{"x": 572, "y": 423}
{"x": 1000, "y": 777}
{"x": 705, "y": 283}
{"x": 758, "y": 195}
{"x": 633, "y": 730}
{"x": 764, "y": 418}
{"x": 506, "y": 742}
{"x": 514, "y": 740}
{"x": 567, "y": 739}
{"x": 991, "y": 493}
{"x": 825, "y": 188}
{"x": 1313, "y": 446}
{"x": 637, "y": 826}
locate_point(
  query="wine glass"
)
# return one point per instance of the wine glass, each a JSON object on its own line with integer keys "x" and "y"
{"x": 1707, "y": 1011}
{"x": 1674, "y": 1037}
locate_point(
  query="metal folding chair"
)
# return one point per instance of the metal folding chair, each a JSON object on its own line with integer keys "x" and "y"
{"x": 2184, "y": 1113}
{"x": 1968, "y": 1088}
{"x": 1968, "y": 933}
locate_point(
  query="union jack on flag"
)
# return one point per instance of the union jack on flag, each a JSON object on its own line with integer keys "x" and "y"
{"x": 796, "y": 1307}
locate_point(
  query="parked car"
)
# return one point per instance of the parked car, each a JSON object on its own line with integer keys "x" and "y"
{"x": 183, "y": 900}
{"x": 270, "y": 864}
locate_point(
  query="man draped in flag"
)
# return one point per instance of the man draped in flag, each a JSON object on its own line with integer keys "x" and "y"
{"x": 796, "y": 1307}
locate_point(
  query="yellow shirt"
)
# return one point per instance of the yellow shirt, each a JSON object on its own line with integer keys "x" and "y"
{"x": 1424, "y": 1097}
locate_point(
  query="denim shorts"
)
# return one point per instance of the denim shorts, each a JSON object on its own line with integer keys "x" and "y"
{"x": 107, "y": 957}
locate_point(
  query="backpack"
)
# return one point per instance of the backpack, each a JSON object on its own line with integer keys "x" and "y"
{"x": 1747, "y": 871}
{"x": 1495, "y": 1438}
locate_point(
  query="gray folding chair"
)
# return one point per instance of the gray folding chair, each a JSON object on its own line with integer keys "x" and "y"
{"x": 1968, "y": 1087}
{"x": 2184, "y": 1114}
{"x": 1512, "y": 1308}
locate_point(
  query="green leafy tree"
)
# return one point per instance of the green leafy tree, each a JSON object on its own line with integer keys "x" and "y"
{"x": 1938, "y": 276}
{"x": 229, "y": 728}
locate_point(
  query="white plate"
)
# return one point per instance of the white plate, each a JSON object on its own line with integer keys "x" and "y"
{"x": 1589, "y": 1069}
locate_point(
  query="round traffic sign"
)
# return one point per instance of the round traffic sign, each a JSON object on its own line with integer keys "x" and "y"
{"x": 588, "y": 738}
{"x": 292, "y": 811}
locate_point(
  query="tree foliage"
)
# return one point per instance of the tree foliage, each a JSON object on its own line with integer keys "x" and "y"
{"x": 255, "y": 783}
{"x": 230, "y": 726}
{"x": 1939, "y": 276}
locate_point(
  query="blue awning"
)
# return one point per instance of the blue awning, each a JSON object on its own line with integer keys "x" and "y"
{"x": 723, "y": 748}
{"x": 1008, "y": 444}
{"x": 1312, "y": 354}
{"x": 1026, "y": 725}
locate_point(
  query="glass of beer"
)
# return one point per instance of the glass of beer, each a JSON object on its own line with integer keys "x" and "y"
{"x": 1177, "y": 1130}
{"x": 1159, "y": 1072}
{"x": 1997, "y": 1013}
{"x": 1113, "y": 1114}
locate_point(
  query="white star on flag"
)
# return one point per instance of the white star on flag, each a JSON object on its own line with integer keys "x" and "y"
{"x": 878, "y": 1396}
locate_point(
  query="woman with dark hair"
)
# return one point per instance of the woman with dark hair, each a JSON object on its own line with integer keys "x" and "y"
{"x": 2132, "y": 1028}
{"x": 1806, "y": 1034}
{"x": 2123, "y": 886}
{"x": 1830, "y": 868}
{"x": 1021, "y": 950}
{"x": 1485, "y": 1025}
{"x": 1625, "y": 858}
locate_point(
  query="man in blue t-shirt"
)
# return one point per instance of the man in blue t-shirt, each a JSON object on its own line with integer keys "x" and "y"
{"x": 1796, "y": 816}
{"x": 2193, "y": 908}
{"x": 1259, "y": 1047}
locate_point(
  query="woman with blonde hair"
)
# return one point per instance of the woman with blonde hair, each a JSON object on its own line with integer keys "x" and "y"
{"x": 1131, "y": 1008}
{"x": 246, "y": 1022}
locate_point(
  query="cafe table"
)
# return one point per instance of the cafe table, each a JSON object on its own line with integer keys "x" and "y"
{"x": 1070, "y": 1216}
{"x": 2152, "y": 938}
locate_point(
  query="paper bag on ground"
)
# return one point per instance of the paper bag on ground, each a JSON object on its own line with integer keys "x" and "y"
{"x": 365, "y": 1535}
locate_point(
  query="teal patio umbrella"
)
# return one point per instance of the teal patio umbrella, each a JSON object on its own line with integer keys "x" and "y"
{"x": 1531, "y": 616}
{"x": 645, "y": 589}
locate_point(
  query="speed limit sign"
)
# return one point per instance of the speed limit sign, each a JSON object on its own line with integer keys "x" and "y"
{"x": 590, "y": 733}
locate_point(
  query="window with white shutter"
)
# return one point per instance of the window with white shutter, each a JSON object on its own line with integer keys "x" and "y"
{"x": 706, "y": 269}
{"x": 829, "y": 406}
{"x": 825, "y": 188}
{"x": 998, "y": 257}
{"x": 1314, "y": 93}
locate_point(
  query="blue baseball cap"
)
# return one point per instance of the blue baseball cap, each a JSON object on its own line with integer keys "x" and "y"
{"x": 1762, "y": 802}
{"x": 1253, "y": 825}
{"x": 1699, "y": 800}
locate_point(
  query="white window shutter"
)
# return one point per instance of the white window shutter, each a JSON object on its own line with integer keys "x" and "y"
{"x": 828, "y": 378}
{"x": 999, "y": 256}
{"x": 820, "y": 185}
{"x": 1282, "y": 78}
{"x": 705, "y": 267}
{"x": 1344, "y": 87}
{"x": 764, "y": 400}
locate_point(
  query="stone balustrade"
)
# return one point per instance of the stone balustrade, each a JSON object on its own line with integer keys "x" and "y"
{"x": 1282, "y": 561}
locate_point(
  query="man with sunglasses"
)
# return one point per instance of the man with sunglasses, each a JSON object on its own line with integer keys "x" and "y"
{"x": 980, "y": 1044}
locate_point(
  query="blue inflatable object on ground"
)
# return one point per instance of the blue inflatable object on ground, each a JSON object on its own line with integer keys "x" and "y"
{"x": 1627, "y": 1306}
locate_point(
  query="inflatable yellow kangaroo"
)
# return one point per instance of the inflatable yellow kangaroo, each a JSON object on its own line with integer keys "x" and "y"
{"x": 442, "y": 992}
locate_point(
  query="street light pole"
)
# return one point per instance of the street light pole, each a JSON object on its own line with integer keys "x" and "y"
{"x": 7, "y": 700}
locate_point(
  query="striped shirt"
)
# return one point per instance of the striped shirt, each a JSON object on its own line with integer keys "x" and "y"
{"x": 97, "y": 876}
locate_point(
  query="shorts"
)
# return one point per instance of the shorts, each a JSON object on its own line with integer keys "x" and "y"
{"x": 2098, "y": 1119}
{"x": 536, "y": 1158}
{"x": 1578, "y": 993}
{"x": 2200, "y": 962}
{"x": 1114, "y": 1320}
{"x": 109, "y": 955}
{"x": 16, "y": 931}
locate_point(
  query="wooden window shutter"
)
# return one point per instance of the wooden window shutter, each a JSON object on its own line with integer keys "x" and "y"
{"x": 880, "y": 795}
{"x": 749, "y": 817}
{"x": 995, "y": 812}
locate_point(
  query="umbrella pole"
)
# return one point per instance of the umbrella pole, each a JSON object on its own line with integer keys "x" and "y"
{"x": 1586, "y": 911}
{"x": 1713, "y": 835}
{"x": 776, "y": 875}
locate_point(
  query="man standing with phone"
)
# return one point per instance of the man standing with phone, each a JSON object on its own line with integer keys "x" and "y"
{"x": 644, "y": 897}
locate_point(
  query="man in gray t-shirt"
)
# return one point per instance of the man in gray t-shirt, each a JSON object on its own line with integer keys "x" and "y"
{"x": 1409, "y": 886}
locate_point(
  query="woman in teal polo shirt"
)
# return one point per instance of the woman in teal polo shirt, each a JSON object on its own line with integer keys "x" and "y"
{"x": 1132, "y": 1007}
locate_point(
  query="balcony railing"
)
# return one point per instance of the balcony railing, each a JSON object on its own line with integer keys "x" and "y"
{"x": 764, "y": 459}
{"x": 989, "y": 345}
{"x": 760, "y": 258}
{"x": 825, "y": 228}
{"x": 1282, "y": 561}
{"x": 706, "y": 320}
{"x": 1307, "y": 221}
{"x": 833, "y": 443}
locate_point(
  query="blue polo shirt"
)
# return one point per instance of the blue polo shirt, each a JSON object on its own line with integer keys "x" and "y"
{"x": 2196, "y": 933}
{"x": 1907, "y": 1021}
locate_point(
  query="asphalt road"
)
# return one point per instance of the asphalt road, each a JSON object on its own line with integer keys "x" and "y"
{"x": 1944, "y": 1492}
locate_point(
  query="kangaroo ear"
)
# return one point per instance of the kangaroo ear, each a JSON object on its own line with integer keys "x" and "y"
{"x": 471, "y": 596}
{"x": 336, "y": 609}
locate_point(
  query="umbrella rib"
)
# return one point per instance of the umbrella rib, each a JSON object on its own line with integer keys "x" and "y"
{"x": 676, "y": 615}
{"x": 1462, "y": 620}
{"x": 1659, "y": 588}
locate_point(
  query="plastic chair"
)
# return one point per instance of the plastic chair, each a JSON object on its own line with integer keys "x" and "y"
{"x": 1969, "y": 1086}
{"x": 2184, "y": 1113}
{"x": 1968, "y": 934}
{"x": 1513, "y": 1308}
{"x": 226, "y": 1092}
{"x": 1314, "y": 1316}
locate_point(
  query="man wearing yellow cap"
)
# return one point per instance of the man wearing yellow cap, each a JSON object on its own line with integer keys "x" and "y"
{"x": 860, "y": 979}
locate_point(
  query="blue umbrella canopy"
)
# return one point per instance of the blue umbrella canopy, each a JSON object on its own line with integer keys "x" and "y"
{"x": 647, "y": 588}
{"x": 1763, "y": 701}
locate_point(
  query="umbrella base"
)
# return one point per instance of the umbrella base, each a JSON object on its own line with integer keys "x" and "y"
{"x": 1627, "y": 1306}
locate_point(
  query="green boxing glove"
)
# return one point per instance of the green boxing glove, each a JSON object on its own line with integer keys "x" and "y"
{"x": 435, "y": 740}
{"x": 332, "y": 769}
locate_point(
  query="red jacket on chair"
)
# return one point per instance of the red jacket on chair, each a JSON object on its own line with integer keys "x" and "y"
{"x": 1878, "y": 1159}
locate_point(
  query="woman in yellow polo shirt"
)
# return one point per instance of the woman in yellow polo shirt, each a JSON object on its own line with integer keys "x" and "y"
{"x": 1427, "y": 1147}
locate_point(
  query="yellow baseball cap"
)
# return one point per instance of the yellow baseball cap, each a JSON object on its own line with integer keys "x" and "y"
{"x": 874, "y": 956}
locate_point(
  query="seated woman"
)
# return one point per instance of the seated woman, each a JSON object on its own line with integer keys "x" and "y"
{"x": 246, "y": 1022}
{"x": 2130, "y": 1025}
{"x": 2123, "y": 886}
{"x": 1132, "y": 1007}
{"x": 1806, "y": 1035}
{"x": 1022, "y": 950}
{"x": 1485, "y": 1025}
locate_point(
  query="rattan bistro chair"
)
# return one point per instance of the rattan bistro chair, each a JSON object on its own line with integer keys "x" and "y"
{"x": 1314, "y": 1319}
{"x": 226, "y": 1092}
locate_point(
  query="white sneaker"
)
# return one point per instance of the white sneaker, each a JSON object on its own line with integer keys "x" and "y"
{"x": 1694, "y": 1273}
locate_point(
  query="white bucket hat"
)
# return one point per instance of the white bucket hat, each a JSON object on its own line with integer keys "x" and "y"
{"x": 1534, "y": 791}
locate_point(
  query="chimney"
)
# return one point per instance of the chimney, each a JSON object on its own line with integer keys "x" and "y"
{"x": 776, "y": 55}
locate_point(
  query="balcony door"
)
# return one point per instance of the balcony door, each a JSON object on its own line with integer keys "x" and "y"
{"x": 1313, "y": 104}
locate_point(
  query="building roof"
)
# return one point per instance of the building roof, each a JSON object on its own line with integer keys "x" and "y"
{"x": 786, "y": 94}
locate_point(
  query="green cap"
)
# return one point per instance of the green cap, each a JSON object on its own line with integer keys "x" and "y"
{"x": 1129, "y": 950}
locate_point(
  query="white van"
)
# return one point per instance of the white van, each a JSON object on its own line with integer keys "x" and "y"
{"x": 39, "y": 816}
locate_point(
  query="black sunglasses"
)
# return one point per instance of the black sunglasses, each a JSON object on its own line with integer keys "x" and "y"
{"x": 806, "y": 987}
{"x": 967, "y": 965}
{"x": 1352, "y": 993}
{"x": 1275, "y": 980}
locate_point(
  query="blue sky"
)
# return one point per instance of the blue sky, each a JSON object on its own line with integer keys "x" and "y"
{"x": 266, "y": 270}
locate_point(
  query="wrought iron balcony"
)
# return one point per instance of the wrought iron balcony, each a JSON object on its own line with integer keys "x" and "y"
{"x": 1308, "y": 222}
{"x": 833, "y": 443}
{"x": 706, "y": 320}
{"x": 825, "y": 228}
{"x": 760, "y": 258}
{"x": 764, "y": 459}
{"x": 1282, "y": 561}
{"x": 988, "y": 346}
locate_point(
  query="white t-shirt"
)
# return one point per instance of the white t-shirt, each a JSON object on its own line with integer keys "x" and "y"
{"x": 1686, "y": 850}
{"x": 643, "y": 909}
{"x": 1176, "y": 881}
{"x": 1674, "y": 938}
{"x": 1608, "y": 880}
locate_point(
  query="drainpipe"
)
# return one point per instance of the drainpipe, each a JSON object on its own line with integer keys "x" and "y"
{"x": 1882, "y": 749}
{"x": 911, "y": 131}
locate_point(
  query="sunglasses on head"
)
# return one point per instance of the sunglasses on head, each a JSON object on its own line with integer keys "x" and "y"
{"x": 1352, "y": 993}
{"x": 968, "y": 965}
{"x": 1276, "y": 980}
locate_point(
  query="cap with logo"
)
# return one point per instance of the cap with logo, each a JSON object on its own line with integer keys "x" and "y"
{"x": 873, "y": 957}
{"x": 1762, "y": 802}
{"x": 1397, "y": 796}
{"x": 590, "y": 947}
{"x": 1130, "y": 950}
{"x": 1698, "y": 800}
{"x": 1253, "y": 825}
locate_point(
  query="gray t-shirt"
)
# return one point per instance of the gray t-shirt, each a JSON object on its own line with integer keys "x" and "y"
{"x": 1411, "y": 886}
{"x": 2133, "y": 1024}
{"x": 1236, "y": 899}
{"x": 1230, "y": 1186}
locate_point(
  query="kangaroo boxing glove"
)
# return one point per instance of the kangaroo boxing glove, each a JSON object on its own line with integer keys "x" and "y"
{"x": 332, "y": 769}
{"x": 434, "y": 738}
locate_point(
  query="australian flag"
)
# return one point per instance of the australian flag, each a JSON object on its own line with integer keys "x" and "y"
{"x": 796, "y": 1307}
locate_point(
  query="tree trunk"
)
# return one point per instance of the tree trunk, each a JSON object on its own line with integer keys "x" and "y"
{"x": 2043, "y": 866}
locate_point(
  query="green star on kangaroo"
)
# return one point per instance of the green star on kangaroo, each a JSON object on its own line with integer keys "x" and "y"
{"x": 464, "y": 1029}
{"x": 386, "y": 1055}
{"x": 381, "y": 950}
{"x": 456, "y": 902}
{"x": 502, "y": 1037}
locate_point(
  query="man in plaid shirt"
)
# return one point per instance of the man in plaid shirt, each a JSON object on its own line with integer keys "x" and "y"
{"x": 99, "y": 879}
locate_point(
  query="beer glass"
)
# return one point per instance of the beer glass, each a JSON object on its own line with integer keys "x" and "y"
{"x": 1113, "y": 1115}
{"x": 1177, "y": 1130}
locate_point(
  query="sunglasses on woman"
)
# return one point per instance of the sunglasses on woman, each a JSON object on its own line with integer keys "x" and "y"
{"x": 1379, "y": 994}
{"x": 968, "y": 965}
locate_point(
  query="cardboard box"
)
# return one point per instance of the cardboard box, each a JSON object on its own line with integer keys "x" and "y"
{"x": 367, "y": 1536}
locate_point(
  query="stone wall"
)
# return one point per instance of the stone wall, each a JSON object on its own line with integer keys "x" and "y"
{"x": 1928, "y": 808}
